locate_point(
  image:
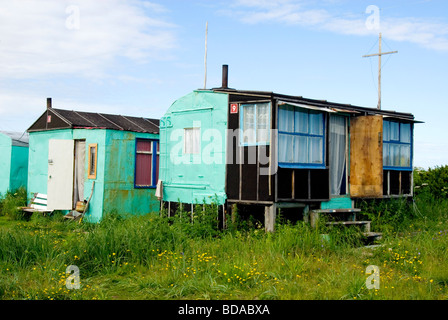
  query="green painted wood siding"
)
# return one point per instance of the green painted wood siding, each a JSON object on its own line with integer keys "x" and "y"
{"x": 120, "y": 195}
{"x": 198, "y": 177}
{"x": 114, "y": 184}
{"x": 13, "y": 164}
{"x": 5, "y": 163}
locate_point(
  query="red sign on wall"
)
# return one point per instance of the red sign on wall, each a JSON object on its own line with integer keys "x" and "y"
{"x": 234, "y": 108}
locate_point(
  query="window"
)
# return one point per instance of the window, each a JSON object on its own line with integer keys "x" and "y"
{"x": 301, "y": 137}
{"x": 146, "y": 163}
{"x": 192, "y": 140}
{"x": 93, "y": 156}
{"x": 255, "y": 124}
{"x": 397, "y": 145}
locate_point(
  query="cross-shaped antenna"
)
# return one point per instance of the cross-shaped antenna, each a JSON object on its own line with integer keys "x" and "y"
{"x": 379, "y": 54}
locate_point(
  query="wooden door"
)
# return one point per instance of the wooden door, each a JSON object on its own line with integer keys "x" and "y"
{"x": 366, "y": 157}
{"x": 60, "y": 174}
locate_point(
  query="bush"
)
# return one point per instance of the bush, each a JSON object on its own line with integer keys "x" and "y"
{"x": 389, "y": 215}
{"x": 431, "y": 182}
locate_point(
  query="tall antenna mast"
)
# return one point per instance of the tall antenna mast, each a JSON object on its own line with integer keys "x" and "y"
{"x": 379, "y": 54}
{"x": 205, "y": 57}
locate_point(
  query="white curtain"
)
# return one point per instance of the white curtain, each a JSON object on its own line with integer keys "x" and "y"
{"x": 249, "y": 124}
{"x": 316, "y": 123}
{"x": 263, "y": 124}
{"x": 188, "y": 140}
{"x": 337, "y": 153}
{"x": 285, "y": 151}
{"x": 80, "y": 171}
{"x": 315, "y": 150}
{"x": 303, "y": 149}
{"x": 300, "y": 122}
{"x": 394, "y": 153}
{"x": 192, "y": 140}
{"x": 286, "y": 119}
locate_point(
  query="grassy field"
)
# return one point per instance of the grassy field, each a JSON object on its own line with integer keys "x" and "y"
{"x": 155, "y": 257}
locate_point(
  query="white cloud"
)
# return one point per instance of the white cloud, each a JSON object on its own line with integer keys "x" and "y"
{"x": 82, "y": 37}
{"x": 424, "y": 32}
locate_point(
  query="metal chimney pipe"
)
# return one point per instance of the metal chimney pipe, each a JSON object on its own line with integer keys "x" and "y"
{"x": 225, "y": 76}
{"x": 48, "y": 103}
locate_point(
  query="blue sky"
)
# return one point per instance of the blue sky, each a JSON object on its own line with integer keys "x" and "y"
{"x": 136, "y": 57}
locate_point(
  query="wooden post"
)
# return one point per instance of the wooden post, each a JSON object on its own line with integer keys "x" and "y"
{"x": 223, "y": 215}
{"x": 306, "y": 214}
{"x": 169, "y": 208}
{"x": 233, "y": 210}
{"x": 379, "y": 54}
{"x": 270, "y": 213}
{"x": 314, "y": 215}
{"x": 379, "y": 75}
{"x": 205, "y": 56}
{"x": 367, "y": 227}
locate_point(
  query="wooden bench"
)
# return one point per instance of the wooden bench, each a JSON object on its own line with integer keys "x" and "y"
{"x": 37, "y": 204}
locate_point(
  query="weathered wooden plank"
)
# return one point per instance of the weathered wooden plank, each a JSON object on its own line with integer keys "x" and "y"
{"x": 38, "y": 207}
{"x": 40, "y": 201}
{"x": 337, "y": 210}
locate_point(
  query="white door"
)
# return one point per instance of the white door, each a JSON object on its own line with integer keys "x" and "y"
{"x": 60, "y": 174}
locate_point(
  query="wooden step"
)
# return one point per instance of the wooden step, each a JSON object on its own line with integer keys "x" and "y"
{"x": 349, "y": 222}
{"x": 314, "y": 214}
{"x": 73, "y": 215}
{"x": 336, "y": 210}
{"x": 366, "y": 224}
{"x": 373, "y": 235}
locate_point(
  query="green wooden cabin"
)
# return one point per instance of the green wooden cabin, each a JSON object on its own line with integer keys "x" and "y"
{"x": 268, "y": 150}
{"x": 111, "y": 158}
{"x": 13, "y": 161}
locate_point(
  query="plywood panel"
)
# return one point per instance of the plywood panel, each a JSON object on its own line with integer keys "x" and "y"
{"x": 366, "y": 157}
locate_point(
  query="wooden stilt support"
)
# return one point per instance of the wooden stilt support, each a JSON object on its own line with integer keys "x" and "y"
{"x": 270, "y": 213}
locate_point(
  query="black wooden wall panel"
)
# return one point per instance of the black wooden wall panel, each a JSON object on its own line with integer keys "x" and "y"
{"x": 249, "y": 174}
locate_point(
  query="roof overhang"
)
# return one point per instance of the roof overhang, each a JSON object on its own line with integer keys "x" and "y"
{"x": 403, "y": 119}
{"x": 305, "y": 106}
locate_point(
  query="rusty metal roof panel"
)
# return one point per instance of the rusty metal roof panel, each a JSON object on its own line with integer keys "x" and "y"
{"x": 81, "y": 119}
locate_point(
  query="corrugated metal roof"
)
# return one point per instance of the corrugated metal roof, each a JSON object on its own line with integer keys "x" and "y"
{"x": 18, "y": 138}
{"x": 81, "y": 119}
{"x": 324, "y": 104}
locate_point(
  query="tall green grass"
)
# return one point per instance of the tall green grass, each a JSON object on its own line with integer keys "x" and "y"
{"x": 187, "y": 256}
{"x": 10, "y": 203}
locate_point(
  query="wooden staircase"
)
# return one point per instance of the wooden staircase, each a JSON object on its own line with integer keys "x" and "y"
{"x": 345, "y": 217}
